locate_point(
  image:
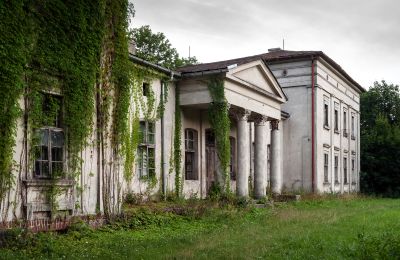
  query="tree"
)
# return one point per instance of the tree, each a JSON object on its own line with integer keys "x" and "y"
{"x": 156, "y": 48}
{"x": 380, "y": 140}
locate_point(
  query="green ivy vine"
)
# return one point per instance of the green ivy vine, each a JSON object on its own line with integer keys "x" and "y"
{"x": 177, "y": 145}
{"x": 146, "y": 104}
{"x": 220, "y": 123}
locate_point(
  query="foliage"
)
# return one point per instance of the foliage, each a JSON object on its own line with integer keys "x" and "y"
{"x": 156, "y": 48}
{"x": 13, "y": 57}
{"x": 177, "y": 145}
{"x": 199, "y": 229}
{"x": 380, "y": 140}
{"x": 220, "y": 123}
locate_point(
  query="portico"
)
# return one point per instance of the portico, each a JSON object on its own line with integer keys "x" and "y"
{"x": 255, "y": 99}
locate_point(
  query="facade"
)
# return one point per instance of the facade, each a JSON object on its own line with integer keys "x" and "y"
{"x": 294, "y": 126}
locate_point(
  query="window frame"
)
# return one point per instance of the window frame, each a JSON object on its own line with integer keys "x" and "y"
{"x": 326, "y": 113}
{"x": 326, "y": 167}
{"x": 55, "y": 127}
{"x": 353, "y": 125}
{"x": 345, "y": 133}
{"x": 336, "y": 168}
{"x": 336, "y": 117}
{"x": 193, "y": 151}
{"x": 353, "y": 170}
{"x": 145, "y": 164}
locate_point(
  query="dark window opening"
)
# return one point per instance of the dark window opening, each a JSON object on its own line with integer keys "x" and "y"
{"x": 326, "y": 114}
{"x": 232, "y": 162}
{"x": 336, "y": 120}
{"x": 145, "y": 89}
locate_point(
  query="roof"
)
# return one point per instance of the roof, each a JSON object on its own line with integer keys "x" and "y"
{"x": 281, "y": 55}
{"x": 157, "y": 67}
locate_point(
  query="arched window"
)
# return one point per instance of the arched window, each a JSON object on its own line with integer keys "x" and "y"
{"x": 191, "y": 154}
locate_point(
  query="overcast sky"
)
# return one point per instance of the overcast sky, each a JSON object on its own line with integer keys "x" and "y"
{"x": 363, "y": 36}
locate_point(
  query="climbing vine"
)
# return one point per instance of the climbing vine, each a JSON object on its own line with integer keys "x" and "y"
{"x": 146, "y": 103}
{"x": 177, "y": 145}
{"x": 69, "y": 60}
{"x": 13, "y": 59}
{"x": 220, "y": 123}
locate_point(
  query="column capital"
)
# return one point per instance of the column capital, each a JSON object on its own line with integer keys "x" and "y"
{"x": 260, "y": 120}
{"x": 274, "y": 124}
{"x": 240, "y": 114}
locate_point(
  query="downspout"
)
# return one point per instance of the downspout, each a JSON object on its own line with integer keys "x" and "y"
{"x": 312, "y": 125}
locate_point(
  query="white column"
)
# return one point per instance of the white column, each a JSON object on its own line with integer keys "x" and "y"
{"x": 260, "y": 156}
{"x": 276, "y": 157}
{"x": 243, "y": 156}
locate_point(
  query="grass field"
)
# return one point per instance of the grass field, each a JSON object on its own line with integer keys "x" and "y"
{"x": 335, "y": 228}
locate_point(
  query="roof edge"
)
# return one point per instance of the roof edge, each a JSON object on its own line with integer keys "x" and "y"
{"x": 154, "y": 66}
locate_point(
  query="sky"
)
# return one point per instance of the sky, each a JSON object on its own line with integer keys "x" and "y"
{"x": 362, "y": 36}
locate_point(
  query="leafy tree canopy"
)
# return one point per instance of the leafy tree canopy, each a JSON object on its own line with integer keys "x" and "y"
{"x": 380, "y": 140}
{"x": 156, "y": 48}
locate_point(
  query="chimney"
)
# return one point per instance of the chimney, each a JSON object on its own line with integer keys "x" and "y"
{"x": 132, "y": 47}
{"x": 274, "y": 49}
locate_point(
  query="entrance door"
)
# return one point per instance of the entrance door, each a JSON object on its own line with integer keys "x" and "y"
{"x": 211, "y": 159}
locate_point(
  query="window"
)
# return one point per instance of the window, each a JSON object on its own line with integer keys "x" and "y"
{"x": 345, "y": 180}
{"x": 326, "y": 115}
{"x": 191, "y": 154}
{"x": 232, "y": 162}
{"x": 336, "y": 169}
{"x": 352, "y": 127}
{"x": 145, "y": 89}
{"x": 326, "y": 168}
{"x": 336, "y": 120}
{"x": 345, "y": 123}
{"x": 353, "y": 173}
{"x": 146, "y": 150}
{"x": 49, "y": 149}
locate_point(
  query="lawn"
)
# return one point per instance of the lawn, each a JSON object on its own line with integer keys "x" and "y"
{"x": 330, "y": 228}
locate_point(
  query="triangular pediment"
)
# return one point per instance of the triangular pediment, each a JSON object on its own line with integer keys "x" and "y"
{"x": 257, "y": 76}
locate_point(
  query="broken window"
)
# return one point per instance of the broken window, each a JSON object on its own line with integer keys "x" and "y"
{"x": 191, "y": 145}
{"x": 49, "y": 148}
{"x": 146, "y": 150}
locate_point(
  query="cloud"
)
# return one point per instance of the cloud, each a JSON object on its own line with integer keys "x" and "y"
{"x": 362, "y": 36}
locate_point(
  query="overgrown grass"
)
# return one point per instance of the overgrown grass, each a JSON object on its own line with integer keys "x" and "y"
{"x": 328, "y": 228}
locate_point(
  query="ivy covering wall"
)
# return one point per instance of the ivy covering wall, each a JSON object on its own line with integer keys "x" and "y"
{"x": 79, "y": 51}
{"x": 220, "y": 123}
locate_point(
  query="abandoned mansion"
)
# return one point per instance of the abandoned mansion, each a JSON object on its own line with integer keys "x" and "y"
{"x": 294, "y": 125}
